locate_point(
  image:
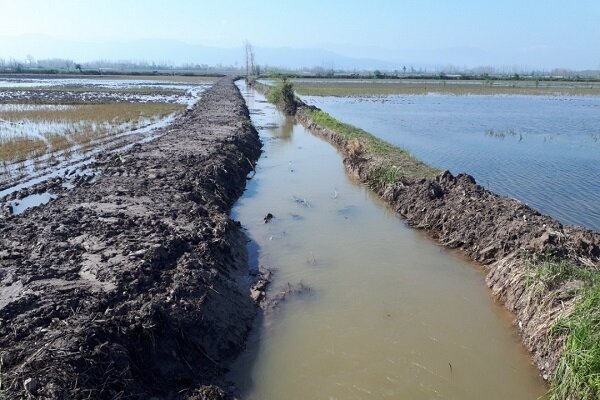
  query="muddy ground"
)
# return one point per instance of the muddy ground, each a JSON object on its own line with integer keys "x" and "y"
{"x": 67, "y": 97}
{"x": 134, "y": 285}
{"x": 499, "y": 232}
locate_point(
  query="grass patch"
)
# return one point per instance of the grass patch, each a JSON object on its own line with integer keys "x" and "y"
{"x": 369, "y": 88}
{"x": 547, "y": 273}
{"x": 58, "y": 142}
{"x": 577, "y": 375}
{"x": 393, "y": 162}
{"x": 578, "y": 372}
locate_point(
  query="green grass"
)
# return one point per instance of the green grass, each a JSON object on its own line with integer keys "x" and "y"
{"x": 577, "y": 375}
{"x": 547, "y": 273}
{"x": 273, "y": 93}
{"x": 368, "y": 88}
{"x": 578, "y": 371}
{"x": 282, "y": 95}
{"x": 393, "y": 162}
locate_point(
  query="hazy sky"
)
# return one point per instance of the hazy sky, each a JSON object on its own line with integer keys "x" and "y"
{"x": 566, "y": 33}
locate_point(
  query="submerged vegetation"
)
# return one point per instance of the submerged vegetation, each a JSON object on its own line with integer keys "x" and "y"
{"x": 115, "y": 112}
{"x": 29, "y": 131}
{"x": 21, "y": 148}
{"x": 577, "y": 375}
{"x": 48, "y": 121}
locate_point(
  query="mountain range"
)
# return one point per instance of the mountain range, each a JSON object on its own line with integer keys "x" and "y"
{"x": 177, "y": 52}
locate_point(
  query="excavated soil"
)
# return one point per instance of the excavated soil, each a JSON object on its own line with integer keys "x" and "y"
{"x": 499, "y": 232}
{"x": 134, "y": 285}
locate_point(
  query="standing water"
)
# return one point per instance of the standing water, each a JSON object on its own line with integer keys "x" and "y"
{"x": 382, "y": 311}
{"x": 542, "y": 150}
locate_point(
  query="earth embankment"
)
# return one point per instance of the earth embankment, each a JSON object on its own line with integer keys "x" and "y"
{"x": 134, "y": 283}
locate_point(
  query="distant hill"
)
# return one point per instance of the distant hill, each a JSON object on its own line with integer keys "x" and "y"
{"x": 177, "y": 52}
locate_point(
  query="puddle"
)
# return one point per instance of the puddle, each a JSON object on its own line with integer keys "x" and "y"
{"x": 33, "y": 200}
{"x": 385, "y": 312}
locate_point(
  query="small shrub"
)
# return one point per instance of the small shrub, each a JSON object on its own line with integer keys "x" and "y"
{"x": 283, "y": 97}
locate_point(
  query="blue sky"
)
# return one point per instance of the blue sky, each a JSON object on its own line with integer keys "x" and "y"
{"x": 548, "y": 33}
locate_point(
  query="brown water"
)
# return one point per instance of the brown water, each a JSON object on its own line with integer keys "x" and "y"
{"x": 389, "y": 314}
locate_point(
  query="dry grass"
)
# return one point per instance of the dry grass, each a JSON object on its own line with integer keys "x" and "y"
{"x": 21, "y": 148}
{"x": 113, "y": 112}
{"x": 37, "y": 130}
{"x": 58, "y": 142}
{"x": 347, "y": 88}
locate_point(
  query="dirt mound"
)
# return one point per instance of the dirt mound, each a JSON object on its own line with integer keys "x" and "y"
{"x": 133, "y": 285}
{"x": 461, "y": 214}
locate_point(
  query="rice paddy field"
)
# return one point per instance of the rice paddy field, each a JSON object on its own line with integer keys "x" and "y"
{"x": 48, "y": 120}
{"x": 386, "y": 87}
{"x": 536, "y": 142}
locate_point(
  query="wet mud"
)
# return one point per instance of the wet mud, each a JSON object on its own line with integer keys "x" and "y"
{"x": 135, "y": 284}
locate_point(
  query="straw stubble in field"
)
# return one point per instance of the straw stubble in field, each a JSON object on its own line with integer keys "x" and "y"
{"x": 346, "y": 88}
{"x": 28, "y": 131}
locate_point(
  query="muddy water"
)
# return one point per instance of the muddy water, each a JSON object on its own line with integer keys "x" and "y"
{"x": 384, "y": 313}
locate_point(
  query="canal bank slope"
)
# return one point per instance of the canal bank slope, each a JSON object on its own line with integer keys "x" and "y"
{"x": 133, "y": 285}
{"x": 544, "y": 272}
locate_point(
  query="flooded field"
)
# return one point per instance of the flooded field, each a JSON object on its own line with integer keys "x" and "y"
{"x": 50, "y": 121}
{"x": 380, "y": 87}
{"x": 371, "y": 309}
{"x": 541, "y": 149}
{"x": 28, "y": 130}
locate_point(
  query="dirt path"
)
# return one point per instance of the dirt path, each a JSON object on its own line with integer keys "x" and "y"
{"x": 133, "y": 285}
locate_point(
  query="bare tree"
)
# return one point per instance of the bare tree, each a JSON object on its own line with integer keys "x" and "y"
{"x": 250, "y": 64}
